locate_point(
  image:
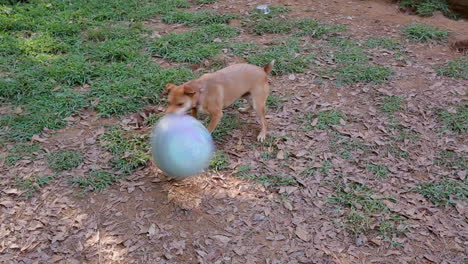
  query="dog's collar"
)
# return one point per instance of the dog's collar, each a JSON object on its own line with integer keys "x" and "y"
{"x": 199, "y": 98}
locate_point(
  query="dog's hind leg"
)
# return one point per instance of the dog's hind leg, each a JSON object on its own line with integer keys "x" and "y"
{"x": 259, "y": 98}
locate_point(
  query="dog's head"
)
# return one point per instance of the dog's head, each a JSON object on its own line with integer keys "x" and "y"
{"x": 181, "y": 98}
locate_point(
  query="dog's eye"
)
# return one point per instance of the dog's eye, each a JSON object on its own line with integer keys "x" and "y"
{"x": 180, "y": 104}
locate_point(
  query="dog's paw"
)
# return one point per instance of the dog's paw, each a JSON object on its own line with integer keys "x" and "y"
{"x": 261, "y": 137}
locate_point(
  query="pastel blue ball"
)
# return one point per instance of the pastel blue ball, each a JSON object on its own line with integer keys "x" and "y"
{"x": 181, "y": 146}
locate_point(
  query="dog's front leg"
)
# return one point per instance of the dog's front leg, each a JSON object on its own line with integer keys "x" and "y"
{"x": 214, "y": 120}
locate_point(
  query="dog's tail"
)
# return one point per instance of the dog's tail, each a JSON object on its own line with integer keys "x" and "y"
{"x": 269, "y": 67}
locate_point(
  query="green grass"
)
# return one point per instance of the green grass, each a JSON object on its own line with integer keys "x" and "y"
{"x": 326, "y": 166}
{"x": 273, "y": 102}
{"x": 224, "y": 128}
{"x": 272, "y": 26}
{"x": 153, "y": 119}
{"x": 96, "y": 181}
{"x": 44, "y": 110}
{"x": 444, "y": 192}
{"x": 205, "y": 2}
{"x": 380, "y": 171}
{"x": 243, "y": 49}
{"x": 30, "y": 185}
{"x": 351, "y": 54}
{"x": 195, "y": 45}
{"x": 130, "y": 150}
{"x": 427, "y": 8}
{"x": 346, "y": 146}
{"x": 285, "y": 55}
{"x": 122, "y": 87}
{"x": 219, "y": 161}
{"x": 64, "y": 160}
{"x": 316, "y": 29}
{"x": 325, "y": 119}
{"x": 450, "y": 159}
{"x": 275, "y": 11}
{"x": 22, "y": 151}
{"x": 383, "y": 43}
{"x": 424, "y": 33}
{"x": 201, "y": 18}
{"x": 391, "y": 104}
{"x": 300, "y": 27}
{"x": 359, "y": 73}
{"x": 457, "y": 68}
{"x": 456, "y": 121}
{"x": 366, "y": 210}
{"x": 48, "y": 49}
{"x": 395, "y": 151}
{"x": 342, "y": 42}
{"x": 272, "y": 180}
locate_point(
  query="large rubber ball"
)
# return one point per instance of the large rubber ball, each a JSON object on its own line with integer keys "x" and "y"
{"x": 181, "y": 146}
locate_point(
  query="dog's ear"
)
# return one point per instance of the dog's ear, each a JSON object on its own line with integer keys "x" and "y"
{"x": 189, "y": 90}
{"x": 169, "y": 87}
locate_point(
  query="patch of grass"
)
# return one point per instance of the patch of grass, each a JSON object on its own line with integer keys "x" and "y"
{"x": 114, "y": 31}
{"x": 424, "y": 33}
{"x": 270, "y": 142}
{"x": 96, "y": 181}
{"x": 346, "y": 146}
{"x": 22, "y": 151}
{"x": 201, "y": 18}
{"x": 227, "y": 124}
{"x": 366, "y": 209}
{"x": 130, "y": 151}
{"x": 219, "y": 161}
{"x": 205, "y": 2}
{"x": 124, "y": 88}
{"x": 383, "y": 43}
{"x": 456, "y": 121}
{"x": 153, "y": 119}
{"x": 457, "y": 68}
{"x": 275, "y": 11}
{"x": 342, "y": 42}
{"x": 325, "y": 119}
{"x": 351, "y": 54}
{"x": 30, "y": 185}
{"x": 243, "y": 49}
{"x": 380, "y": 171}
{"x": 450, "y": 159}
{"x": 49, "y": 49}
{"x": 286, "y": 55}
{"x": 193, "y": 46}
{"x": 316, "y": 29}
{"x": 391, "y": 104}
{"x": 260, "y": 24}
{"x": 355, "y": 73}
{"x": 427, "y": 8}
{"x": 444, "y": 192}
{"x": 273, "y": 102}
{"x": 46, "y": 110}
{"x": 64, "y": 160}
{"x": 266, "y": 155}
{"x": 301, "y": 27}
{"x": 119, "y": 50}
{"x": 270, "y": 180}
{"x": 311, "y": 171}
{"x": 274, "y": 26}
{"x": 242, "y": 170}
{"x": 395, "y": 151}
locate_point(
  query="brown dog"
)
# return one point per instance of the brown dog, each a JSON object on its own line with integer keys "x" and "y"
{"x": 213, "y": 92}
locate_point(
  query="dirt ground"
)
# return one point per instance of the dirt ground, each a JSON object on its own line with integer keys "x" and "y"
{"x": 220, "y": 218}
